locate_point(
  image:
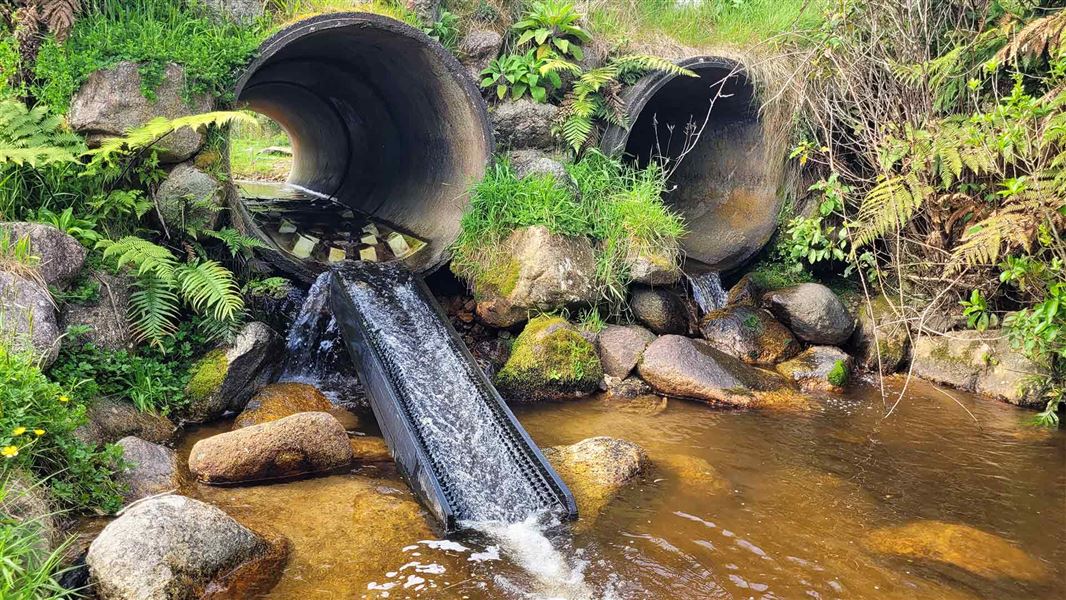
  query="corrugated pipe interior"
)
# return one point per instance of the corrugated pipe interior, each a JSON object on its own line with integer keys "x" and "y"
{"x": 709, "y": 129}
{"x": 380, "y": 116}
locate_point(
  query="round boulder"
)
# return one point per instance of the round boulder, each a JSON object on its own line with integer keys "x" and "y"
{"x": 881, "y": 341}
{"x": 168, "y": 548}
{"x": 280, "y": 400}
{"x": 28, "y": 318}
{"x": 661, "y": 310}
{"x": 524, "y": 124}
{"x": 620, "y": 348}
{"x": 477, "y": 49}
{"x": 526, "y": 163}
{"x": 309, "y": 442}
{"x": 152, "y": 469}
{"x": 596, "y": 469}
{"x": 189, "y": 199}
{"x": 813, "y": 312}
{"x": 110, "y": 420}
{"x": 550, "y": 360}
{"x": 226, "y": 378}
{"x": 61, "y": 256}
{"x": 750, "y": 334}
{"x": 105, "y": 318}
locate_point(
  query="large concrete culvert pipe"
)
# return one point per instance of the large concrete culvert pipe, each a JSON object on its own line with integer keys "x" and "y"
{"x": 381, "y": 118}
{"x": 726, "y": 186}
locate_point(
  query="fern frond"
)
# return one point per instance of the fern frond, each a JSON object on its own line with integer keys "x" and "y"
{"x": 146, "y": 257}
{"x": 208, "y": 287}
{"x": 982, "y": 242}
{"x": 647, "y": 62}
{"x": 151, "y": 132}
{"x": 34, "y": 137}
{"x": 153, "y": 309}
{"x": 234, "y": 240}
{"x": 60, "y": 15}
{"x": 890, "y": 203}
{"x": 557, "y": 65}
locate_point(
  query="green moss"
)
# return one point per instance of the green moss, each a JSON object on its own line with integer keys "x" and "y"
{"x": 550, "y": 353}
{"x": 207, "y": 375}
{"x": 500, "y": 279}
{"x": 838, "y": 375}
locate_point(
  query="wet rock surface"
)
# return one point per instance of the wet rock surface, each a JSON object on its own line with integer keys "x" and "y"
{"x": 152, "y": 469}
{"x": 280, "y": 400}
{"x": 982, "y": 362}
{"x": 189, "y": 198}
{"x": 310, "y": 442}
{"x": 620, "y": 347}
{"x": 687, "y": 368}
{"x": 105, "y": 318}
{"x": 690, "y": 473}
{"x": 168, "y": 548}
{"x": 550, "y": 360}
{"x": 881, "y": 342}
{"x": 750, "y": 334}
{"x": 824, "y": 368}
{"x": 60, "y": 256}
{"x": 111, "y": 102}
{"x": 368, "y": 448}
{"x": 226, "y": 378}
{"x": 596, "y": 469}
{"x": 29, "y": 318}
{"x": 813, "y": 312}
{"x": 524, "y": 124}
{"x": 960, "y": 546}
{"x": 111, "y": 420}
{"x": 744, "y": 292}
{"x": 544, "y": 271}
{"x": 661, "y": 310}
{"x": 654, "y": 267}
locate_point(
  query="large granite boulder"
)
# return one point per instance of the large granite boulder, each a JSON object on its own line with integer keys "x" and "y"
{"x": 169, "y": 548}
{"x": 550, "y": 360}
{"x": 959, "y": 546}
{"x": 112, "y": 102}
{"x": 110, "y": 420}
{"x": 104, "y": 319}
{"x": 881, "y": 341}
{"x": 686, "y": 368}
{"x": 477, "y": 49}
{"x": 750, "y": 334}
{"x": 189, "y": 199}
{"x": 524, "y": 124}
{"x": 823, "y": 368}
{"x": 982, "y": 362}
{"x": 28, "y": 318}
{"x": 226, "y": 378}
{"x": 661, "y": 310}
{"x": 310, "y": 442}
{"x": 60, "y": 256}
{"x": 150, "y": 470}
{"x": 595, "y": 470}
{"x": 280, "y": 400}
{"x": 620, "y": 348}
{"x": 243, "y": 12}
{"x": 540, "y": 271}
{"x": 813, "y": 312}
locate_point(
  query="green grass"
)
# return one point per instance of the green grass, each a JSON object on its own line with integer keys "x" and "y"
{"x": 710, "y": 22}
{"x": 247, "y": 159}
{"x": 151, "y": 32}
{"x": 27, "y": 570}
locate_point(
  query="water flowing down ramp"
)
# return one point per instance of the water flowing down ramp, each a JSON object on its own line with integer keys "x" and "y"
{"x": 454, "y": 439}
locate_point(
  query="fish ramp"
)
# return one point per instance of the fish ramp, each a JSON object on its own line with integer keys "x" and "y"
{"x": 454, "y": 439}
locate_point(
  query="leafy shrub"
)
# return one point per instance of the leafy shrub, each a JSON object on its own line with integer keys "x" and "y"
{"x": 445, "y": 30}
{"x": 554, "y": 28}
{"x": 37, "y": 423}
{"x": 519, "y": 74}
{"x": 152, "y": 33}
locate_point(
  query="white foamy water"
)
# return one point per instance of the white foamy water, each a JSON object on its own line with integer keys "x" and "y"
{"x": 707, "y": 291}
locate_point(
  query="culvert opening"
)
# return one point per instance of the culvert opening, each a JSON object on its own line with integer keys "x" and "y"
{"x": 387, "y": 133}
{"x": 708, "y": 132}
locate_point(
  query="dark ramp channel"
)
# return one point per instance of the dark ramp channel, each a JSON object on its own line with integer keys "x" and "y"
{"x": 452, "y": 436}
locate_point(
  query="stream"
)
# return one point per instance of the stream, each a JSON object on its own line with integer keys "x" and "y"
{"x": 736, "y": 505}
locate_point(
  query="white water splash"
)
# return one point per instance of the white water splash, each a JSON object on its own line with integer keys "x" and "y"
{"x": 707, "y": 291}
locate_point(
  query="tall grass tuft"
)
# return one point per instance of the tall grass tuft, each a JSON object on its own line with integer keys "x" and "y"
{"x": 29, "y": 569}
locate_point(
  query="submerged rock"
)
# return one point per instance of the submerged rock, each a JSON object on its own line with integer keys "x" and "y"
{"x": 661, "y": 310}
{"x": 169, "y": 548}
{"x": 280, "y": 400}
{"x": 691, "y": 473}
{"x": 813, "y": 312}
{"x": 477, "y": 49}
{"x": 550, "y": 360}
{"x": 524, "y": 124}
{"x": 542, "y": 271}
{"x": 226, "y": 378}
{"x": 105, "y": 318}
{"x": 750, "y": 334}
{"x": 961, "y": 546}
{"x": 620, "y": 347}
{"x": 189, "y": 199}
{"x": 686, "y": 368}
{"x": 367, "y": 448}
{"x": 881, "y": 341}
{"x": 824, "y": 368}
{"x": 60, "y": 256}
{"x": 28, "y": 318}
{"x": 309, "y": 442}
{"x": 630, "y": 387}
{"x": 595, "y": 470}
{"x": 111, "y": 102}
{"x": 152, "y": 469}
{"x": 110, "y": 420}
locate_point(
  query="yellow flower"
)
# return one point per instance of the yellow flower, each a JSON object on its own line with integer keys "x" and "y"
{"x": 9, "y": 451}
{"x": 64, "y": 399}
{"x": 18, "y": 431}
{"x": 38, "y": 432}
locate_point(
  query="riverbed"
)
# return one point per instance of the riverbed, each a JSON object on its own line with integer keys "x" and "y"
{"x": 838, "y": 502}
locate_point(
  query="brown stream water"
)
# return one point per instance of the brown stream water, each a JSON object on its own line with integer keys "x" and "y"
{"x": 787, "y": 508}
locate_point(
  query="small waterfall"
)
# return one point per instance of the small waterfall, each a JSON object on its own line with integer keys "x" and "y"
{"x": 315, "y": 353}
{"x": 707, "y": 291}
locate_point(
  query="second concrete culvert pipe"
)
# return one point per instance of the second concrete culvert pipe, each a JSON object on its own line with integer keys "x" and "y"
{"x": 726, "y": 185}
{"x": 380, "y": 117}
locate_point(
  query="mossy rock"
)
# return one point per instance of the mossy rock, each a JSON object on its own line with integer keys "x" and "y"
{"x": 226, "y": 378}
{"x": 207, "y": 375}
{"x": 281, "y": 400}
{"x": 550, "y": 360}
{"x": 823, "y": 368}
{"x": 881, "y": 341}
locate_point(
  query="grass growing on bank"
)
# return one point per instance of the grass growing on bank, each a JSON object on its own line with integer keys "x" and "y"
{"x": 152, "y": 32}
{"x": 618, "y": 207}
{"x": 29, "y": 570}
{"x": 251, "y": 155}
{"x": 701, "y": 22}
